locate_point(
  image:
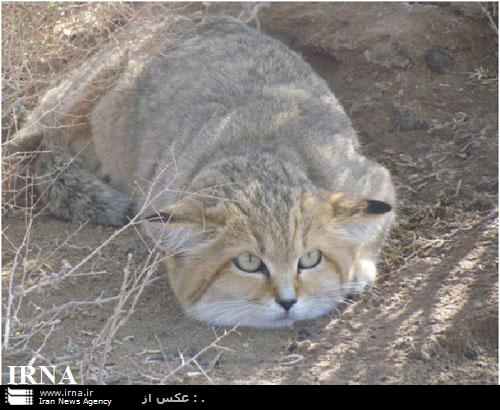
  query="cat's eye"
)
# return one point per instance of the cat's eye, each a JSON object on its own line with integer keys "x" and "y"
{"x": 310, "y": 259}
{"x": 250, "y": 263}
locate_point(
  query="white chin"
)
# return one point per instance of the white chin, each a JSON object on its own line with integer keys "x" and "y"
{"x": 257, "y": 318}
{"x": 261, "y": 322}
{"x": 273, "y": 324}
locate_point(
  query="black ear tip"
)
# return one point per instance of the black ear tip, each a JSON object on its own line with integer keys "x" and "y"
{"x": 377, "y": 207}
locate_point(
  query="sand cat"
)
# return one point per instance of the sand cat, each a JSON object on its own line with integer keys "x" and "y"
{"x": 244, "y": 167}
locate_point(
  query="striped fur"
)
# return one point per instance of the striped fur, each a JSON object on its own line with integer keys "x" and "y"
{"x": 242, "y": 147}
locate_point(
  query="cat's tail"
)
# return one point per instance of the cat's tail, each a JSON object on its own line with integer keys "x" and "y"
{"x": 62, "y": 177}
{"x": 73, "y": 193}
{"x": 67, "y": 188}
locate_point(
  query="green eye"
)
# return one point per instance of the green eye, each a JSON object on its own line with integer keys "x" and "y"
{"x": 310, "y": 259}
{"x": 250, "y": 263}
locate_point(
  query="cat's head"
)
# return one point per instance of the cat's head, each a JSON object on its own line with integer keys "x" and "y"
{"x": 269, "y": 257}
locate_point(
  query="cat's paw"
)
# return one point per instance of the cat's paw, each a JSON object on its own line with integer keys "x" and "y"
{"x": 365, "y": 275}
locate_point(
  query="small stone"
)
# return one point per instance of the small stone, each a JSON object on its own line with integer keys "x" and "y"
{"x": 406, "y": 120}
{"x": 471, "y": 354}
{"x": 438, "y": 61}
{"x": 387, "y": 55}
{"x": 197, "y": 17}
{"x": 303, "y": 334}
{"x": 308, "y": 346}
{"x": 292, "y": 347}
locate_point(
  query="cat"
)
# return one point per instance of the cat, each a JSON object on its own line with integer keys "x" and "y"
{"x": 243, "y": 165}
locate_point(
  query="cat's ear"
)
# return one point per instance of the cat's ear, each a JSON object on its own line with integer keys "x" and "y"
{"x": 354, "y": 220}
{"x": 344, "y": 206}
{"x": 191, "y": 212}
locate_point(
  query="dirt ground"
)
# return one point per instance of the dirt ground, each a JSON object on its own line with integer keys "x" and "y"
{"x": 420, "y": 84}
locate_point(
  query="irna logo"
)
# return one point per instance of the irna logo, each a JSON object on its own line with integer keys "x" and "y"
{"x": 40, "y": 375}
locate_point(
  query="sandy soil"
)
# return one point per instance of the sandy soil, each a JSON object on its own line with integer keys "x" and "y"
{"x": 433, "y": 316}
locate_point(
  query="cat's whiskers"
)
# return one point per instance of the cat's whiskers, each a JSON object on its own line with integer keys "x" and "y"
{"x": 218, "y": 309}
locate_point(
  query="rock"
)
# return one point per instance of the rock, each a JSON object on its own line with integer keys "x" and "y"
{"x": 406, "y": 120}
{"x": 292, "y": 347}
{"x": 303, "y": 334}
{"x": 387, "y": 55}
{"x": 471, "y": 354}
{"x": 438, "y": 61}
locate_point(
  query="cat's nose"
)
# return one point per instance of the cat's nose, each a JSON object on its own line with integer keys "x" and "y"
{"x": 286, "y": 303}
